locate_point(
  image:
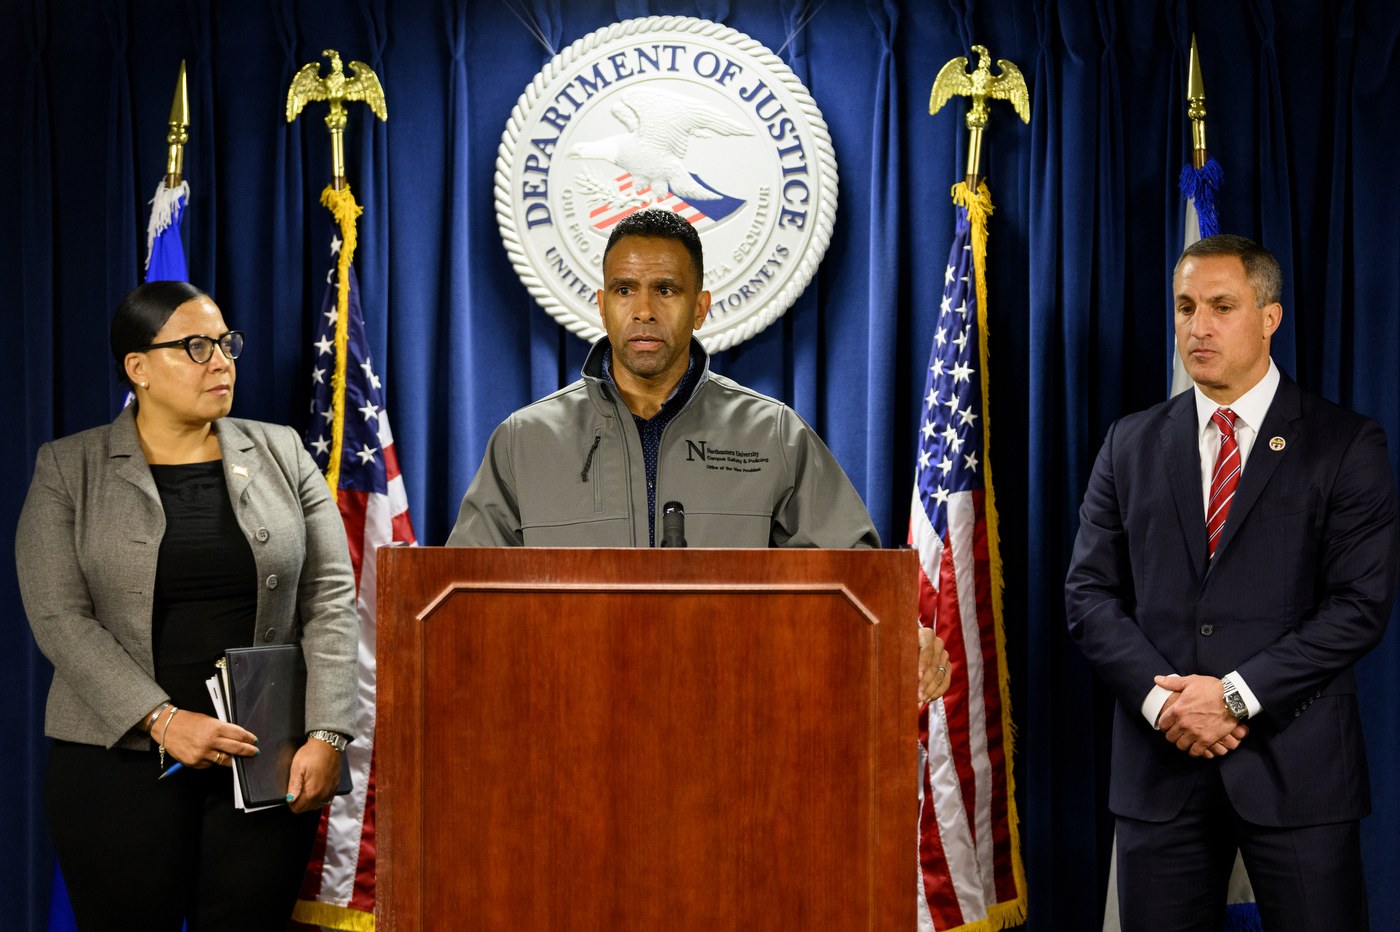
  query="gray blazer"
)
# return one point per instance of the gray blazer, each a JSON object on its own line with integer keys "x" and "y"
{"x": 86, "y": 552}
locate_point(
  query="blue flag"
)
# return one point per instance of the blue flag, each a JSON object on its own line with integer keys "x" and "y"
{"x": 165, "y": 254}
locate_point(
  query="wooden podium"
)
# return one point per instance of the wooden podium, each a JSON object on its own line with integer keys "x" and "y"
{"x": 646, "y": 739}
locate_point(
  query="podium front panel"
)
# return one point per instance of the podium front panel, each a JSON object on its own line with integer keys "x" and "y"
{"x": 646, "y": 739}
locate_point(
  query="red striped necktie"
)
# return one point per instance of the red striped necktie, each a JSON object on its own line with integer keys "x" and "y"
{"x": 1225, "y": 478}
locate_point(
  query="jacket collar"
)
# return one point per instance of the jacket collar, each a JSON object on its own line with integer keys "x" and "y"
{"x": 124, "y": 441}
{"x": 604, "y": 396}
{"x": 1181, "y": 440}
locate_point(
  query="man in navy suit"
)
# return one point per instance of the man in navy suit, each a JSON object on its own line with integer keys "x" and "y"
{"x": 1237, "y": 554}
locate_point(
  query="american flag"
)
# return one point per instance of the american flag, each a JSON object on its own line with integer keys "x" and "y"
{"x": 970, "y": 873}
{"x": 702, "y": 214}
{"x": 338, "y": 890}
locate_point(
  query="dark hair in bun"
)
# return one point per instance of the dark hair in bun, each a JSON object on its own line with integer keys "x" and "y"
{"x": 141, "y": 315}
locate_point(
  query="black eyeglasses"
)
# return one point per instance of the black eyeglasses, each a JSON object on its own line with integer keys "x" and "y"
{"x": 201, "y": 348}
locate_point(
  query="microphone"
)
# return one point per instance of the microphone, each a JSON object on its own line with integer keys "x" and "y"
{"x": 673, "y": 525}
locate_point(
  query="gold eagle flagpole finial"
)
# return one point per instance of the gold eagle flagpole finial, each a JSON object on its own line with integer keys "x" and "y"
{"x": 954, "y": 79}
{"x": 179, "y": 132}
{"x": 308, "y": 85}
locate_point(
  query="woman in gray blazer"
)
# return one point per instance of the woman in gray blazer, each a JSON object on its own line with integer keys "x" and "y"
{"x": 145, "y": 549}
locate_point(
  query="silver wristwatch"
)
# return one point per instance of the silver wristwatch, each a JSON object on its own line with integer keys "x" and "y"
{"x": 1234, "y": 701}
{"x": 337, "y": 741}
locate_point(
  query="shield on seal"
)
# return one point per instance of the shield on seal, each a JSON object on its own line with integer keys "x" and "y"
{"x": 680, "y": 114}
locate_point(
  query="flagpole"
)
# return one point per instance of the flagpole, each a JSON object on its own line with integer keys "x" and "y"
{"x": 951, "y": 895}
{"x": 307, "y": 86}
{"x": 358, "y": 453}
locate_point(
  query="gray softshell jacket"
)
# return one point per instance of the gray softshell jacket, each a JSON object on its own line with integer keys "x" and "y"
{"x": 567, "y": 471}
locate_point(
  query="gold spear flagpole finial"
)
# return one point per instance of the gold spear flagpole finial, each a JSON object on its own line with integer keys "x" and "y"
{"x": 955, "y": 80}
{"x": 1196, "y": 107}
{"x": 178, "y": 135}
{"x": 308, "y": 85}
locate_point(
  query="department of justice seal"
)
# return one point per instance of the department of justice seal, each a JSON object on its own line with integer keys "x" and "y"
{"x": 677, "y": 113}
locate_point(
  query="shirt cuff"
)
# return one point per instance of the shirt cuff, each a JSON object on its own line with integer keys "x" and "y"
{"x": 1156, "y": 698}
{"x": 1250, "y": 703}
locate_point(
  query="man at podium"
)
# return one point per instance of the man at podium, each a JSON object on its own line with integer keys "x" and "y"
{"x": 649, "y": 424}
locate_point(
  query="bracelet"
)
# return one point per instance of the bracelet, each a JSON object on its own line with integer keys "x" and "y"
{"x": 173, "y": 712}
{"x": 151, "y": 722}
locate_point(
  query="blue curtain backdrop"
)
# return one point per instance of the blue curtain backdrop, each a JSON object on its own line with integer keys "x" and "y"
{"x": 1088, "y": 224}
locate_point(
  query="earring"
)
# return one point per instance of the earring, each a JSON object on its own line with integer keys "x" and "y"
{"x": 144, "y": 385}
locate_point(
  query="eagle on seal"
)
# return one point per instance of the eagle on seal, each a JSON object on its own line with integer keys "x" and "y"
{"x": 660, "y": 125}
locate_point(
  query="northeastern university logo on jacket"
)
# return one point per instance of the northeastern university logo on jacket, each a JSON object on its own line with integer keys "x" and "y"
{"x": 677, "y": 113}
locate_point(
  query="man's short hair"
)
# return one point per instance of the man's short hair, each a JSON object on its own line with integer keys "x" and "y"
{"x": 659, "y": 223}
{"x": 1260, "y": 266}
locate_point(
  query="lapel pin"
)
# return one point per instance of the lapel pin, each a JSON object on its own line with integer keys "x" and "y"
{"x": 1276, "y": 444}
{"x": 243, "y": 470}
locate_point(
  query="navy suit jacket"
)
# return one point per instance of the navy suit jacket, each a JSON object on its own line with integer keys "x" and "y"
{"x": 1300, "y": 588}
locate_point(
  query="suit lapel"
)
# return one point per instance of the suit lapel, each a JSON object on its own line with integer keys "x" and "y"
{"x": 240, "y": 469}
{"x": 123, "y": 442}
{"x": 1181, "y": 441}
{"x": 1280, "y": 421}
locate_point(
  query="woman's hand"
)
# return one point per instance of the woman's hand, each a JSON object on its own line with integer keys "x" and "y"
{"x": 200, "y": 741}
{"x": 315, "y": 776}
{"x": 933, "y": 666}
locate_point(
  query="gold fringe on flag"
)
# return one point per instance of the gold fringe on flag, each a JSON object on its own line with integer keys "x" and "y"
{"x": 330, "y": 916}
{"x": 343, "y": 207}
{"x": 1011, "y": 913}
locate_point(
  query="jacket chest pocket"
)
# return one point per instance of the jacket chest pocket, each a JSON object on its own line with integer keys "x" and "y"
{"x": 1298, "y": 504}
{"x": 594, "y": 470}
{"x": 573, "y": 482}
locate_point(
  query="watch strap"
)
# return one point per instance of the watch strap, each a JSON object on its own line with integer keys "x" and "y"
{"x": 1234, "y": 701}
{"x": 334, "y": 739}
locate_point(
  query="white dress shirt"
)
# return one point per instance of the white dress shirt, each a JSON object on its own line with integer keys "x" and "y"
{"x": 1249, "y": 410}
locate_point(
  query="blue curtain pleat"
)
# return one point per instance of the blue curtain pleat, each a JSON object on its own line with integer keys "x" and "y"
{"x": 36, "y": 271}
{"x": 882, "y": 270}
{"x": 1087, "y": 226}
{"x": 1276, "y": 200}
{"x": 199, "y": 235}
{"x": 27, "y": 864}
{"x": 121, "y": 201}
{"x": 284, "y": 299}
{"x": 801, "y": 325}
{"x": 463, "y": 403}
{"x": 1178, "y": 138}
{"x": 1370, "y": 376}
{"x": 1335, "y": 353}
{"x": 417, "y": 177}
{"x": 371, "y": 165}
{"x": 550, "y": 343}
{"x": 1038, "y": 790}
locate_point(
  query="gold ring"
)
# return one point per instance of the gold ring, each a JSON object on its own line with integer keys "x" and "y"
{"x": 219, "y": 758}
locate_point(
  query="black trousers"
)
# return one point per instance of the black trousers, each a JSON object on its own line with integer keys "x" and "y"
{"x": 138, "y": 853}
{"x": 1172, "y": 876}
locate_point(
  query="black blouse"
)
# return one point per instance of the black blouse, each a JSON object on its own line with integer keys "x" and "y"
{"x": 206, "y": 590}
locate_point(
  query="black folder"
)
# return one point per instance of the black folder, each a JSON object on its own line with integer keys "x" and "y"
{"x": 266, "y": 693}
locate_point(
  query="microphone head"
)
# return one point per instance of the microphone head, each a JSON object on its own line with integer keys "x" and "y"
{"x": 673, "y": 524}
